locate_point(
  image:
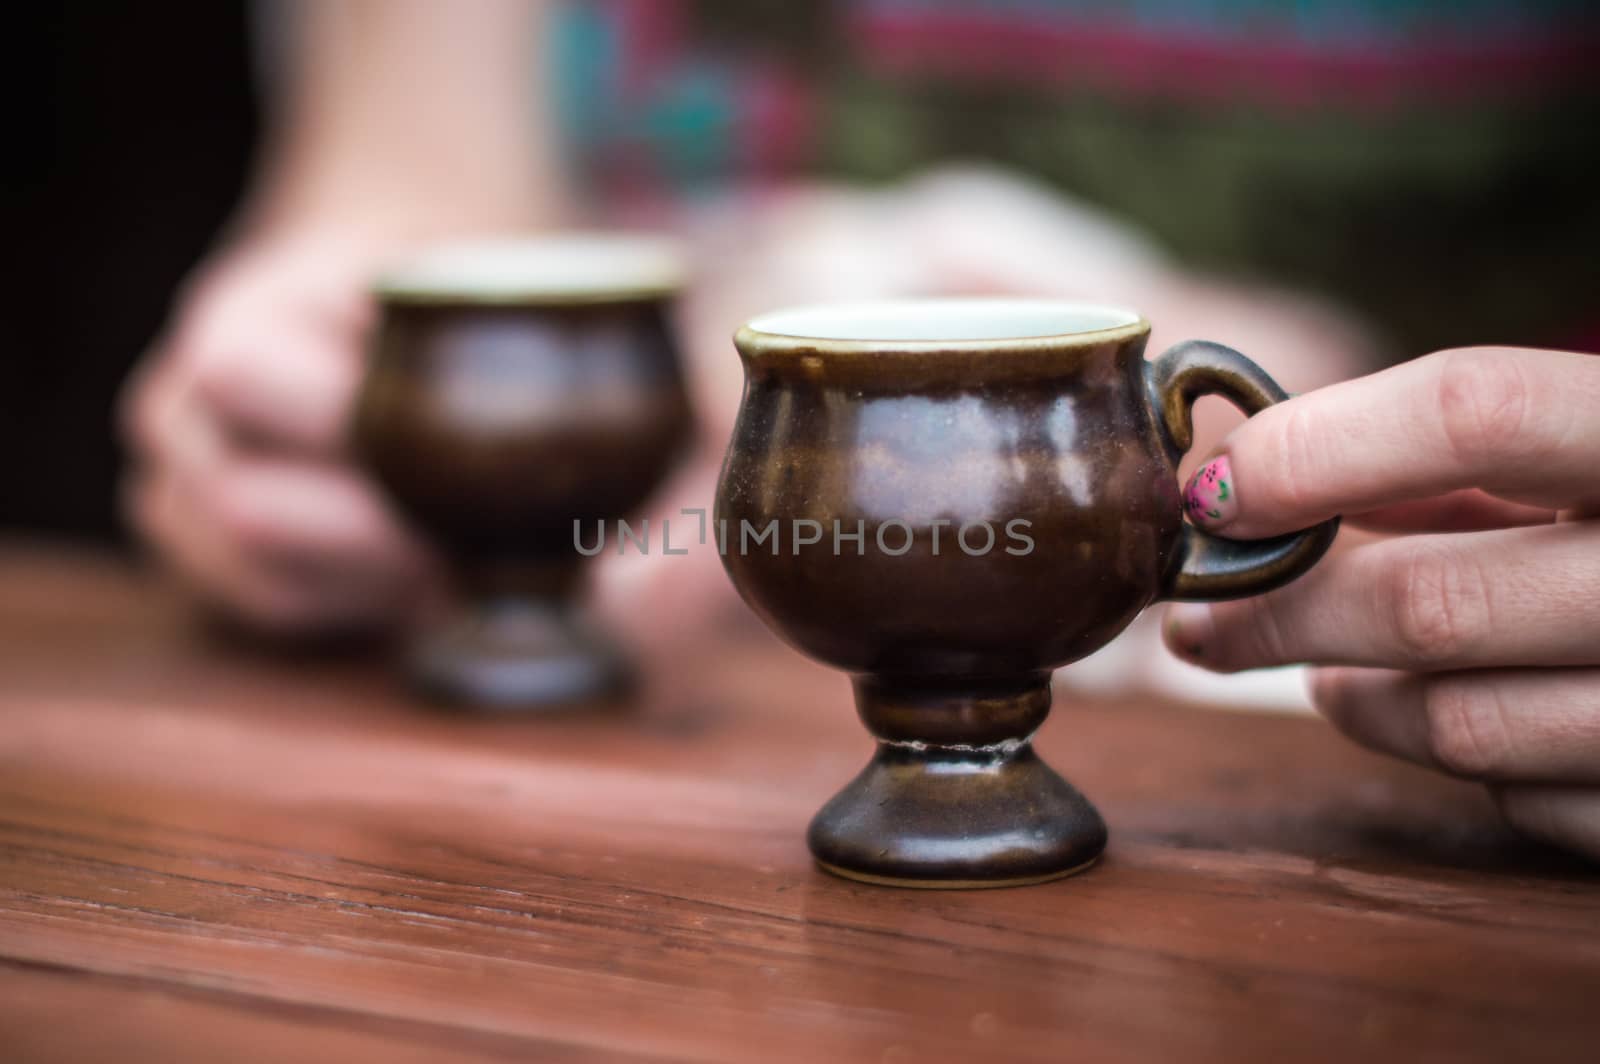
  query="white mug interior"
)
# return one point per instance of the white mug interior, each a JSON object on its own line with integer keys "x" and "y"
{"x": 553, "y": 267}
{"x": 943, "y": 320}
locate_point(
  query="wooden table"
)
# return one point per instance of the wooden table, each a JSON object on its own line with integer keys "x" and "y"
{"x": 210, "y": 855}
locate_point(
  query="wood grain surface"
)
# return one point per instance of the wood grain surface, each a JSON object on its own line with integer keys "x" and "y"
{"x": 214, "y": 854}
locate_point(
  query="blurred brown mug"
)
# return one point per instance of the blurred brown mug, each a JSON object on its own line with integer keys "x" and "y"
{"x": 515, "y": 388}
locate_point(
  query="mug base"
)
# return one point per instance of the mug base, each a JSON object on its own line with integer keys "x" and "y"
{"x": 954, "y": 884}
{"x": 947, "y": 818}
{"x": 517, "y": 656}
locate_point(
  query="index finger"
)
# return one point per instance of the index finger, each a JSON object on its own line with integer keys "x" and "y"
{"x": 291, "y": 388}
{"x": 1522, "y": 424}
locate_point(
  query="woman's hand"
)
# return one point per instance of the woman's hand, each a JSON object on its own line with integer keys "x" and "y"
{"x": 395, "y": 124}
{"x": 241, "y": 479}
{"x": 1472, "y": 643}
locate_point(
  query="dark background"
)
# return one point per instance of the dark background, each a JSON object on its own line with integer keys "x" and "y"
{"x": 128, "y": 130}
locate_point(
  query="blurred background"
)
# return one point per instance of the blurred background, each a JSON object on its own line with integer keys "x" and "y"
{"x": 128, "y": 142}
{"x": 202, "y": 193}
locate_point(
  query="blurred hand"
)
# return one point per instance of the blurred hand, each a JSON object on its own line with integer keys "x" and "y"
{"x": 241, "y": 479}
{"x": 1471, "y": 645}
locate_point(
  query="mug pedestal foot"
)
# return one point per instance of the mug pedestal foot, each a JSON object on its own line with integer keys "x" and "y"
{"x": 970, "y": 804}
{"x": 517, "y": 655}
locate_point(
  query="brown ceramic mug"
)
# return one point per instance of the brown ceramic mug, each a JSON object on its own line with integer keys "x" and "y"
{"x": 513, "y": 389}
{"x": 948, "y": 499}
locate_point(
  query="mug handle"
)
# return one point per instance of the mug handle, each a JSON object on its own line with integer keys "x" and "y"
{"x": 1207, "y": 567}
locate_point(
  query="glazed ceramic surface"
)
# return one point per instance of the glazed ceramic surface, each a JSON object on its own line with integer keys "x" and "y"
{"x": 994, "y": 482}
{"x": 512, "y": 391}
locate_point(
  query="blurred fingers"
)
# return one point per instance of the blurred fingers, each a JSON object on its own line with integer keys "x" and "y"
{"x": 219, "y": 570}
{"x": 272, "y": 366}
{"x": 318, "y": 515}
{"x": 1568, "y": 817}
{"x": 290, "y": 389}
{"x": 284, "y": 544}
{"x": 1513, "y": 724}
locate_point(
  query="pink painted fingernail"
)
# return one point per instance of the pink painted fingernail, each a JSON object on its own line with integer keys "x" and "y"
{"x": 1211, "y": 500}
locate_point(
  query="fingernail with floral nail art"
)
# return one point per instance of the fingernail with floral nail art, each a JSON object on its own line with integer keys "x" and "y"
{"x": 1210, "y": 500}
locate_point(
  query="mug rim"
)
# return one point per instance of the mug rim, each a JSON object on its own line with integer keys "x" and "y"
{"x": 765, "y": 335}
{"x": 555, "y": 269}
